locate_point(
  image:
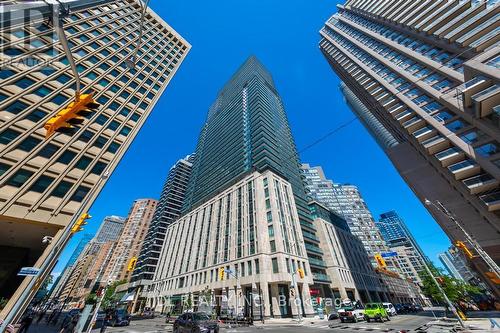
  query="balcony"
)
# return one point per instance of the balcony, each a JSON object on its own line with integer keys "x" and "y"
{"x": 464, "y": 169}
{"x": 491, "y": 200}
{"x": 314, "y": 249}
{"x": 321, "y": 277}
{"x": 423, "y": 133}
{"x": 414, "y": 124}
{"x": 435, "y": 144}
{"x": 317, "y": 262}
{"x": 310, "y": 236}
{"x": 480, "y": 183}
{"x": 485, "y": 100}
{"x": 307, "y": 225}
{"x": 472, "y": 87}
{"x": 404, "y": 115}
{"x": 450, "y": 156}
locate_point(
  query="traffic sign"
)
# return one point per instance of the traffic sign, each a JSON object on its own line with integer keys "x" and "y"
{"x": 389, "y": 254}
{"x": 29, "y": 271}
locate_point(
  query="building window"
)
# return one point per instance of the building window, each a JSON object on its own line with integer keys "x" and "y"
{"x": 24, "y": 83}
{"x": 101, "y": 119}
{"x": 270, "y": 230}
{"x": 272, "y": 244}
{"x": 66, "y": 157}
{"x": 80, "y": 193}
{"x": 48, "y": 151}
{"x": 487, "y": 149}
{"x": 269, "y": 216}
{"x": 8, "y": 135}
{"x": 28, "y": 144}
{"x": 99, "y": 168}
{"x": 100, "y": 142}
{"x": 86, "y": 136}
{"x": 19, "y": 178}
{"x": 275, "y": 265}
{"x": 113, "y": 147}
{"x": 113, "y": 125}
{"x": 125, "y": 131}
{"x": 16, "y": 107}
{"x": 3, "y": 168}
{"x": 61, "y": 189}
{"x": 83, "y": 163}
{"x": 257, "y": 266}
{"x": 41, "y": 184}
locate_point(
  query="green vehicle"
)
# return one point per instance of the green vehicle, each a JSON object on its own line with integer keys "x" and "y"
{"x": 376, "y": 311}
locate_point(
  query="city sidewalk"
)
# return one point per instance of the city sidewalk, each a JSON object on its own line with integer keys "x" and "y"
{"x": 290, "y": 321}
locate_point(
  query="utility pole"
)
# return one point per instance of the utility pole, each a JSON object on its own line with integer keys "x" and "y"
{"x": 487, "y": 259}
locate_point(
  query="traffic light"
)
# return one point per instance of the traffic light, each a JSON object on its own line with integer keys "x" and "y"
{"x": 221, "y": 273}
{"x": 380, "y": 261}
{"x": 70, "y": 115}
{"x": 81, "y": 222}
{"x": 461, "y": 245}
{"x": 300, "y": 271}
{"x": 131, "y": 264}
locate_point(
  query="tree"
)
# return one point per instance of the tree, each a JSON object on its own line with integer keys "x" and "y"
{"x": 3, "y": 302}
{"x": 91, "y": 299}
{"x": 110, "y": 299}
{"x": 455, "y": 289}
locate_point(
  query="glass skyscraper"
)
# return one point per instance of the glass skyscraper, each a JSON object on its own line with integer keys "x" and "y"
{"x": 424, "y": 78}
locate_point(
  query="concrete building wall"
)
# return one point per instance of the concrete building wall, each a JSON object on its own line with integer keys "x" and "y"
{"x": 44, "y": 182}
{"x": 253, "y": 228}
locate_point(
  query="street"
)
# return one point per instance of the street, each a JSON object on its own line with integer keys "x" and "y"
{"x": 397, "y": 323}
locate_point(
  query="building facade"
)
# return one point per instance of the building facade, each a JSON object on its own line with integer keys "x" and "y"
{"x": 399, "y": 238}
{"x": 167, "y": 211}
{"x": 110, "y": 229}
{"x": 348, "y": 264}
{"x": 252, "y": 228}
{"x": 346, "y": 200}
{"x": 258, "y": 139}
{"x": 456, "y": 265}
{"x": 426, "y": 76}
{"x": 128, "y": 246}
{"x": 45, "y": 182}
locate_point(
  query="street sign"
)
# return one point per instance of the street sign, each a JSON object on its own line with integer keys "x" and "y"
{"x": 389, "y": 254}
{"x": 29, "y": 271}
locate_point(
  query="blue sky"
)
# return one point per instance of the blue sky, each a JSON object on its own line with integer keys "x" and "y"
{"x": 284, "y": 36}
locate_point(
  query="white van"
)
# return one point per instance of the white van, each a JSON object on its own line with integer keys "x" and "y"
{"x": 390, "y": 309}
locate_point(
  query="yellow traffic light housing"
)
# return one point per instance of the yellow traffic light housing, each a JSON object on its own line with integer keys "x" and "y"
{"x": 461, "y": 245}
{"x": 380, "y": 261}
{"x": 300, "y": 271}
{"x": 82, "y": 220}
{"x": 221, "y": 273}
{"x": 70, "y": 115}
{"x": 131, "y": 264}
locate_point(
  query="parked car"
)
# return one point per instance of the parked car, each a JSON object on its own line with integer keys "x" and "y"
{"x": 400, "y": 309}
{"x": 334, "y": 315}
{"x": 417, "y": 308}
{"x": 119, "y": 317}
{"x": 351, "y": 313}
{"x": 195, "y": 322}
{"x": 376, "y": 311}
{"x": 391, "y": 310}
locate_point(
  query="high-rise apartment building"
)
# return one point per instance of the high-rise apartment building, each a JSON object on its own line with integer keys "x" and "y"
{"x": 110, "y": 229}
{"x": 45, "y": 182}
{"x": 423, "y": 77}
{"x": 167, "y": 211}
{"x": 345, "y": 200}
{"x": 456, "y": 265}
{"x": 128, "y": 245}
{"x": 399, "y": 238}
{"x": 246, "y": 187}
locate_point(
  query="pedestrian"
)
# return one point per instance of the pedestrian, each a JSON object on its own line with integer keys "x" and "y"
{"x": 26, "y": 322}
{"x": 40, "y": 316}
